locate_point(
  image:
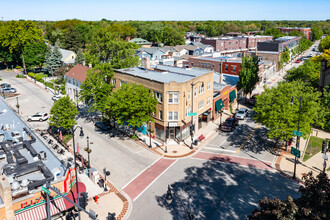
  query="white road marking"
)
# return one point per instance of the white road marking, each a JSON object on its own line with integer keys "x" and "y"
{"x": 220, "y": 149}
{"x": 141, "y": 173}
{"x": 155, "y": 180}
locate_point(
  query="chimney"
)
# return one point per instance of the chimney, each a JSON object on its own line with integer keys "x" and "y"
{"x": 90, "y": 65}
{"x": 221, "y": 78}
{"x": 146, "y": 63}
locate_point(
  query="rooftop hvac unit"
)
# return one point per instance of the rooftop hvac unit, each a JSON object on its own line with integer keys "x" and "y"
{"x": 25, "y": 182}
{"x": 15, "y": 185}
{"x": 56, "y": 172}
{"x": 42, "y": 155}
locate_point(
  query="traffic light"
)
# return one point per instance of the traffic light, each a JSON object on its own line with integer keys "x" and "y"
{"x": 192, "y": 129}
{"x": 167, "y": 133}
{"x": 324, "y": 147}
{"x": 83, "y": 199}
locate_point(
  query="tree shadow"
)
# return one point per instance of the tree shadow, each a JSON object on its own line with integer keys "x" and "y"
{"x": 218, "y": 190}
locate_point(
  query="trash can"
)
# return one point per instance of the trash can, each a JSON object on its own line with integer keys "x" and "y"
{"x": 196, "y": 142}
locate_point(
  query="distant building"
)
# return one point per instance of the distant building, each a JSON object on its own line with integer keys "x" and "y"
{"x": 306, "y": 31}
{"x": 279, "y": 44}
{"x": 154, "y": 54}
{"x": 141, "y": 42}
{"x": 73, "y": 80}
{"x": 68, "y": 56}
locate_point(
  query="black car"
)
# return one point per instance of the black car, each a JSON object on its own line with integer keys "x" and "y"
{"x": 229, "y": 124}
{"x": 103, "y": 126}
{"x": 252, "y": 100}
{"x": 5, "y": 85}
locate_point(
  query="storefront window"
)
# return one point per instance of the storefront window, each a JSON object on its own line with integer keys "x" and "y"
{"x": 160, "y": 134}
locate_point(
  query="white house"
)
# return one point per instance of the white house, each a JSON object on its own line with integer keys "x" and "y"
{"x": 73, "y": 80}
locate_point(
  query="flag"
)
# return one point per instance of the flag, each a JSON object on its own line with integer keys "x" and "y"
{"x": 61, "y": 137}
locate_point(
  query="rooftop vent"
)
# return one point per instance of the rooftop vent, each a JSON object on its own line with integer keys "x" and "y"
{"x": 25, "y": 182}
{"x": 15, "y": 185}
{"x": 42, "y": 155}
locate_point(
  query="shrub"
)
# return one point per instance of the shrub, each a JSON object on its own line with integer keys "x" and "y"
{"x": 31, "y": 75}
{"x": 18, "y": 67}
{"x": 20, "y": 76}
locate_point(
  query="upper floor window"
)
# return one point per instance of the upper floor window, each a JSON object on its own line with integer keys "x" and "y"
{"x": 189, "y": 94}
{"x": 201, "y": 89}
{"x": 208, "y": 86}
{"x": 173, "y": 98}
{"x": 160, "y": 114}
{"x": 208, "y": 100}
{"x": 234, "y": 68}
{"x": 158, "y": 96}
{"x": 226, "y": 67}
{"x": 195, "y": 92}
{"x": 114, "y": 82}
{"x": 200, "y": 104}
{"x": 188, "y": 110}
{"x": 173, "y": 116}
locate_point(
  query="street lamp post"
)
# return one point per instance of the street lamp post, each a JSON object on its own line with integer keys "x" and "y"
{"x": 150, "y": 133}
{"x": 298, "y": 138}
{"x": 75, "y": 161}
{"x": 106, "y": 173}
{"x": 192, "y": 129}
{"x": 169, "y": 199}
{"x": 88, "y": 150}
{"x": 17, "y": 105}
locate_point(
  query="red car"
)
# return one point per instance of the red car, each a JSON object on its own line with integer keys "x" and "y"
{"x": 298, "y": 61}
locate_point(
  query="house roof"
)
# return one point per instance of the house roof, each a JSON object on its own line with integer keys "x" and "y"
{"x": 153, "y": 50}
{"x": 65, "y": 54}
{"x": 227, "y": 79}
{"x": 78, "y": 72}
{"x": 178, "y": 48}
{"x": 140, "y": 41}
{"x": 199, "y": 44}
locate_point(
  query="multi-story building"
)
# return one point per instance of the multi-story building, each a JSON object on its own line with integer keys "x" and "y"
{"x": 73, "y": 80}
{"x": 235, "y": 44}
{"x": 26, "y": 164}
{"x": 279, "y": 44}
{"x": 306, "y": 31}
{"x": 179, "y": 91}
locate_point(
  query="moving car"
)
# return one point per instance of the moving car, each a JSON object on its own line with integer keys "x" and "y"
{"x": 103, "y": 126}
{"x": 242, "y": 113}
{"x": 56, "y": 97}
{"x": 9, "y": 90}
{"x": 229, "y": 124}
{"x": 39, "y": 116}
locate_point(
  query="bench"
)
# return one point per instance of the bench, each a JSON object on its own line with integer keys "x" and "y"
{"x": 201, "y": 137}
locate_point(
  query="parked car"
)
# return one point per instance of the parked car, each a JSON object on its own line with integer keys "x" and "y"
{"x": 252, "y": 100}
{"x": 5, "y": 85}
{"x": 39, "y": 116}
{"x": 298, "y": 61}
{"x": 103, "y": 126}
{"x": 229, "y": 124}
{"x": 56, "y": 97}
{"x": 9, "y": 90}
{"x": 242, "y": 113}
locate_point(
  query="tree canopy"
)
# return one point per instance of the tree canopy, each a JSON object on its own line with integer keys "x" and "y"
{"x": 309, "y": 72}
{"x": 132, "y": 104}
{"x": 324, "y": 44}
{"x": 53, "y": 61}
{"x": 274, "y": 109}
{"x": 316, "y": 33}
{"x": 248, "y": 75}
{"x": 63, "y": 113}
{"x": 34, "y": 54}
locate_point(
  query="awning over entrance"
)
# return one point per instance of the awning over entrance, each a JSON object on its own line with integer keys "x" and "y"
{"x": 72, "y": 195}
{"x": 218, "y": 105}
{"x": 232, "y": 95}
{"x": 39, "y": 212}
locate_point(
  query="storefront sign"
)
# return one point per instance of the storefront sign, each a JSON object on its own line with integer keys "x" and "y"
{"x": 225, "y": 93}
{"x": 173, "y": 124}
{"x": 31, "y": 202}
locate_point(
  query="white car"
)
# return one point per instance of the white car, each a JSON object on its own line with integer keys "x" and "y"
{"x": 56, "y": 97}
{"x": 242, "y": 113}
{"x": 39, "y": 116}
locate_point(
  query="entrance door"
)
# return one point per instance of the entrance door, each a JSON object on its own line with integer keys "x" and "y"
{"x": 172, "y": 133}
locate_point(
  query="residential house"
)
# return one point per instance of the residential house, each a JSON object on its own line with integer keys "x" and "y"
{"x": 153, "y": 53}
{"x": 179, "y": 91}
{"x": 206, "y": 48}
{"x": 141, "y": 42}
{"x": 73, "y": 80}
{"x": 68, "y": 56}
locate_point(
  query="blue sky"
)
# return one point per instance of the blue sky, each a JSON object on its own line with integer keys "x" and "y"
{"x": 165, "y": 10}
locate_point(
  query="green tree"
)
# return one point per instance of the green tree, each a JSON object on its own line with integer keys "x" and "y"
{"x": 35, "y": 54}
{"x": 79, "y": 58}
{"x": 309, "y": 72}
{"x": 316, "y": 33}
{"x": 16, "y": 35}
{"x": 107, "y": 48}
{"x": 248, "y": 75}
{"x": 304, "y": 44}
{"x": 296, "y": 33}
{"x": 54, "y": 60}
{"x": 274, "y": 109}
{"x": 133, "y": 104}
{"x": 324, "y": 44}
{"x": 285, "y": 55}
{"x": 326, "y": 104}
{"x": 96, "y": 89}
{"x": 73, "y": 40}
{"x": 276, "y": 33}
{"x": 313, "y": 204}
{"x": 172, "y": 37}
{"x": 63, "y": 113}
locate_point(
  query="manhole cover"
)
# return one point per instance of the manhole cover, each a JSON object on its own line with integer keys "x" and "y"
{"x": 174, "y": 152}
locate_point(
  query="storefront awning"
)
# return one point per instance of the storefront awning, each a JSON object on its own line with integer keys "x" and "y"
{"x": 39, "y": 212}
{"x": 232, "y": 95}
{"x": 218, "y": 105}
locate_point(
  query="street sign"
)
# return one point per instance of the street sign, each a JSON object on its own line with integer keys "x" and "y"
{"x": 45, "y": 190}
{"x": 295, "y": 152}
{"x": 192, "y": 114}
{"x": 297, "y": 133}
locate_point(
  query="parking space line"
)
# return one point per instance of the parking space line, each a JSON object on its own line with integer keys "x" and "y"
{"x": 247, "y": 139}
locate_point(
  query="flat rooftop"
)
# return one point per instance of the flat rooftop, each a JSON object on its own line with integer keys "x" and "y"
{"x": 165, "y": 74}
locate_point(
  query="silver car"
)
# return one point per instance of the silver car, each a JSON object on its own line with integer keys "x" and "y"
{"x": 242, "y": 113}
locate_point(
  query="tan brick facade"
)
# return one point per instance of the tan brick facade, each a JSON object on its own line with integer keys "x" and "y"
{"x": 174, "y": 114}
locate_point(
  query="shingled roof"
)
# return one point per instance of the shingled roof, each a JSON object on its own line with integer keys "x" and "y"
{"x": 78, "y": 72}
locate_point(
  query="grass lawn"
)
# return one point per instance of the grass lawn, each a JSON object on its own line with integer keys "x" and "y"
{"x": 67, "y": 138}
{"x": 41, "y": 74}
{"x": 317, "y": 146}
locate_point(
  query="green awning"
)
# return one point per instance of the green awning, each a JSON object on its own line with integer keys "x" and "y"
{"x": 232, "y": 95}
{"x": 218, "y": 105}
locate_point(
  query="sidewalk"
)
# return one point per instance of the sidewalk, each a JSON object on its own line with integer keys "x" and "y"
{"x": 285, "y": 162}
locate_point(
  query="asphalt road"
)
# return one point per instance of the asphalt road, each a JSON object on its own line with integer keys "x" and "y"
{"x": 210, "y": 189}
{"x": 120, "y": 155}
